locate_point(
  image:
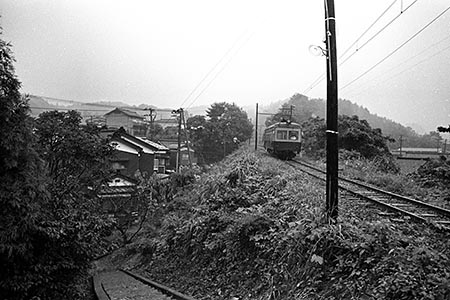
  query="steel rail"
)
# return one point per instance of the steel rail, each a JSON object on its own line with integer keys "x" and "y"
{"x": 387, "y": 193}
{"x": 162, "y": 288}
{"x": 411, "y": 201}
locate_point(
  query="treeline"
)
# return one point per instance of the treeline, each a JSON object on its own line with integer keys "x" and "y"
{"x": 51, "y": 168}
{"x": 306, "y": 108}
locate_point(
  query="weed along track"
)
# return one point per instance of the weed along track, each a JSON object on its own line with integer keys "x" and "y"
{"x": 410, "y": 209}
{"x": 116, "y": 285}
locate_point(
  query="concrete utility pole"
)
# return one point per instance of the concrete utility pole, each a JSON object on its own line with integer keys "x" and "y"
{"x": 332, "y": 112}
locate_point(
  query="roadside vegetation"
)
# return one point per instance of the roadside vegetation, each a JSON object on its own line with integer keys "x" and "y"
{"x": 50, "y": 169}
{"x": 248, "y": 227}
{"x": 253, "y": 228}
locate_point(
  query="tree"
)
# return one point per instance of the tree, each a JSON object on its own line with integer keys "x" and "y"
{"x": 443, "y": 129}
{"x": 285, "y": 113}
{"x": 47, "y": 234}
{"x": 155, "y": 131}
{"x": 357, "y": 135}
{"x": 219, "y": 134}
{"x": 77, "y": 158}
{"x": 22, "y": 188}
{"x": 354, "y": 135}
{"x": 313, "y": 137}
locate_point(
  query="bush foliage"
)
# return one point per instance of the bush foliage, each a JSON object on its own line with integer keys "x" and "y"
{"x": 50, "y": 225}
{"x": 253, "y": 228}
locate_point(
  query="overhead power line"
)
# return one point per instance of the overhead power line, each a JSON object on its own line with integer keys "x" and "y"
{"x": 368, "y": 28}
{"x": 221, "y": 69}
{"x": 408, "y": 60}
{"x": 213, "y": 68}
{"x": 377, "y": 33}
{"x": 411, "y": 67}
{"x": 319, "y": 79}
{"x": 396, "y": 49}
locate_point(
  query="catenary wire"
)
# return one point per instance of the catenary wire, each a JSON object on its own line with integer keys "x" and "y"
{"x": 213, "y": 68}
{"x": 409, "y": 68}
{"x": 377, "y": 33}
{"x": 368, "y": 28}
{"x": 396, "y": 49}
{"x": 409, "y": 59}
{"x": 221, "y": 69}
{"x": 320, "y": 78}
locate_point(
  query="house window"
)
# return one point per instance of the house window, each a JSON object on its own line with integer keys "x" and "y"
{"x": 118, "y": 166}
{"x": 159, "y": 165}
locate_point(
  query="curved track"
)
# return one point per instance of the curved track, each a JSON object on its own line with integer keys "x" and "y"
{"x": 121, "y": 284}
{"x": 397, "y": 204}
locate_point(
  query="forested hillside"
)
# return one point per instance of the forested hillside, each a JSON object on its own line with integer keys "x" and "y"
{"x": 309, "y": 107}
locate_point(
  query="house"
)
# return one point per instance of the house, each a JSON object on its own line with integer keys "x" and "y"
{"x": 418, "y": 153}
{"x": 137, "y": 154}
{"x": 186, "y": 154}
{"x": 132, "y": 122}
{"x": 118, "y": 193}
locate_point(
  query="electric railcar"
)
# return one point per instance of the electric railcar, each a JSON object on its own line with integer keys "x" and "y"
{"x": 283, "y": 139}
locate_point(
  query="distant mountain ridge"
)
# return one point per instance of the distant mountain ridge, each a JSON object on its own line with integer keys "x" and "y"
{"x": 306, "y": 107}
{"x": 39, "y": 104}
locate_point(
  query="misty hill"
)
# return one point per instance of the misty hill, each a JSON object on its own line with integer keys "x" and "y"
{"x": 306, "y": 108}
{"x": 39, "y": 104}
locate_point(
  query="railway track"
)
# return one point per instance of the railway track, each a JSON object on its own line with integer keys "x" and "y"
{"x": 120, "y": 284}
{"x": 396, "y": 204}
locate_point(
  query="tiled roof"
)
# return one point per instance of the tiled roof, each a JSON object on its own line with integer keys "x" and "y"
{"x": 153, "y": 144}
{"x": 114, "y": 191}
{"x": 125, "y": 112}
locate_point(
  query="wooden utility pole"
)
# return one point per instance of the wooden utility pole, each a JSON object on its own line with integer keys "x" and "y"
{"x": 401, "y": 145}
{"x": 187, "y": 141}
{"x": 152, "y": 119}
{"x": 256, "y": 128}
{"x": 179, "y": 112}
{"x": 290, "y": 113}
{"x": 332, "y": 112}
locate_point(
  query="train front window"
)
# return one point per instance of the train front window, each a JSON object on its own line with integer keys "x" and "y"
{"x": 281, "y": 134}
{"x": 293, "y": 135}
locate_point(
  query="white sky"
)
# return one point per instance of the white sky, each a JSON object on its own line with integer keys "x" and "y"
{"x": 157, "y": 52}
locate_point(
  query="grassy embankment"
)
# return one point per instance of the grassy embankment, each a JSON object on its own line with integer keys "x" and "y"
{"x": 253, "y": 228}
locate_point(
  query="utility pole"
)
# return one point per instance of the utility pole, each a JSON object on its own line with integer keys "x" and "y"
{"x": 401, "y": 144}
{"x": 256, "y": 128}
{"x": 332, "y": 112}
{"x": 187, "y": 141}
{"x": 179, "y": 112}
{"x": 152, "y": 119}
{"x": 290, "y": 114}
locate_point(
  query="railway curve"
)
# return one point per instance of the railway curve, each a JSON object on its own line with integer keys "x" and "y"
{"x": 396, "y": 204}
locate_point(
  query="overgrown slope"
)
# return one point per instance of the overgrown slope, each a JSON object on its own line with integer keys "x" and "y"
{"x": 252, "y": 228}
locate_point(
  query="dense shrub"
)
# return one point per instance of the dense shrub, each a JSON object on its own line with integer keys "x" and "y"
{"x": 435, "y": 172}
{"x": 255, "y": 230}
{"x": 49, "y": 226}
